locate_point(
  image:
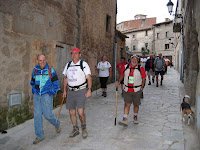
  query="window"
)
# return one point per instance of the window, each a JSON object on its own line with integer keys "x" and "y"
{"x": 143, "y": 22}
{"x": 167, "y": 34}
{"x": 134, "y": 47}
{"x": 146, "y": 45}
{"x": 158, "y": 34}
{"x": 146, "y": 33}
{"x": 166, "y": 46}
{"x": 127, "y": 48}
{"x": 108, "y": 24}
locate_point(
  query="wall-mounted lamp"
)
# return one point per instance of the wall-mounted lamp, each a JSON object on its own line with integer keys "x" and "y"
{"x": 170, "y": 7}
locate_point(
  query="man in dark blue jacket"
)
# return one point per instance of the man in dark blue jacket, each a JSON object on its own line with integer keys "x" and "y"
{"x": 44, "y": 84}
{"x": 149, "y": 67}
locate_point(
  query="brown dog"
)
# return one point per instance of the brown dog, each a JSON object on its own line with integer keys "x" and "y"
{"x": 186, "y": 110}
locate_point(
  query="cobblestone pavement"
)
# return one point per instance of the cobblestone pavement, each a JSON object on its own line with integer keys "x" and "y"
{"x": 159, "y": 128}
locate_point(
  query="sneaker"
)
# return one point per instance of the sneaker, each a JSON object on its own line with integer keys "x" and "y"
{"x": 36, "y": 141}
{"x": 157, "y": 84}
{"x": 153, "y": 80}
{"x": 84, "y": 132}
{"x": 161, "y": 82}
{"x": 74, "y": 132}
{"x": 58, "y": 129}
{"x": 149, "y": 83}
{"x": 135, "y": 120}
{"x": 124, "y": 122}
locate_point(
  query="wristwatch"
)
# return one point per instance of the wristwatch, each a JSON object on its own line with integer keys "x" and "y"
{"x": 90, "y": 89}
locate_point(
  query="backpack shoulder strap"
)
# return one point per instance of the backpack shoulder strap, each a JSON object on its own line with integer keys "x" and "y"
{"x": 126, "y": 67}
{"x": 139, "y": 68}
{"x": 69, "y": 64}
{"x": 35, "y": 71}
{"x": 81, "y": 65}
{"x": 50, "y": 73}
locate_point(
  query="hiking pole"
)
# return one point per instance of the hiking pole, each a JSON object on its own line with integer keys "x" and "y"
{"x": 116, "y": 106}
{"x": 60, "y": 109}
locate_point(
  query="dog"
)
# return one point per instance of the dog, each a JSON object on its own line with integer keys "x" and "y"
{"x": 186, "y": 110}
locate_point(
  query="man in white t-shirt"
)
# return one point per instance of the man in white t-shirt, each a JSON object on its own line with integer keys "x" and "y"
{"x": 105, "y": 71}
{"x": 77, "y": 76}
{"x": 143, "y": 61}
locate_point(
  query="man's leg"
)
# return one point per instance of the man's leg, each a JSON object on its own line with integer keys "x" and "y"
{"x": 149, "y": 80}
{"x": 82, "y": 118}
{"x": 73, "y": 117}
{"x": 47, "y": 107}
{"x": 135, "y": 110}
{"x": 126, "y": 112}
{"x": 161, "y": 79}
{"x": 157, "y": 80}
{"x": 38, "y": 121}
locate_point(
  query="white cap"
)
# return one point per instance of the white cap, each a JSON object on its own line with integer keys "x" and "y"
{"x": 134, "y": 55}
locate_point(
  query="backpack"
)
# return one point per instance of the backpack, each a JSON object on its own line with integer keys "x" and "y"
{"x": 81, "y": 66}
{"x": 133, "y": 68}
{"x": 44, "y": 74}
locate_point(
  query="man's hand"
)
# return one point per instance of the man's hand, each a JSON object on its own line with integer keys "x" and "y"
{"x": 64, "y": 94}
{"x": 88, "y": 93}
{"x": 117, "y": 84}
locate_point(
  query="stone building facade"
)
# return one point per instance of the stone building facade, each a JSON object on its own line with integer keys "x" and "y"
{"x": 53, "y": 28}
{"x": 188, "y": 44}
{"x": 162, "y": 39}
{"x": 154, "y": 39}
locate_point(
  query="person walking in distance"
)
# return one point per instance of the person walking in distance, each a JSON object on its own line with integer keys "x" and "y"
{"x": 159, "y": 65}
{"x": 105, "y": 71}
{"x": 77, "y": 87}
{"x": 44, "y": 84}
{"x": 134, "y": 81}
{"x": 149, "y": 67}
{"x": 120, "y": 67}
{"x": 143, "y": 61}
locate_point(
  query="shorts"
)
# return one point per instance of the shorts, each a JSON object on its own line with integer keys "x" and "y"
{"x": 133, "y": 97}
{"x": 103, "y": 81}
{"x": 76, "y": 99}
{"x": 150, "y": 72}
{"x": 160, "y": 72}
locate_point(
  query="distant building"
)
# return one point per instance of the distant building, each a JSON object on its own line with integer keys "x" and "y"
{"x": 139, "y": 22}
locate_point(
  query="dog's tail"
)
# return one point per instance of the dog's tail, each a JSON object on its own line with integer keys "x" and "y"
{"x": 186, "y": 96}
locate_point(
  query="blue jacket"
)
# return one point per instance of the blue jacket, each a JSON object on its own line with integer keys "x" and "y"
{"x": 41, "y": 82}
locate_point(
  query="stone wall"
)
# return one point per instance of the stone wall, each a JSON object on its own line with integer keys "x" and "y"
{"x": 32, "y": 27}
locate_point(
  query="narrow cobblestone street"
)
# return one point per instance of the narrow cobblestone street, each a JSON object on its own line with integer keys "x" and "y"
{"x": 159, "y": 128}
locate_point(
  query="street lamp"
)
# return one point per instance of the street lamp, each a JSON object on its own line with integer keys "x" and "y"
{"x": 170, "y": 9}
{"x": 170, "y": 6}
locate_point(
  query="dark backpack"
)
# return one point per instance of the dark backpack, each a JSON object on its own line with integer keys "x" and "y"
{"x": 81, "y": 65}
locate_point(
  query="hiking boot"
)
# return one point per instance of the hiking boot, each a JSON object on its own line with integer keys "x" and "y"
{"x": 161, "y": 82}
{"x": 135, "y": 120}
{"x": 84, "y": 131}
{"x": 157, "y": 84}
{"x": 36, "y": 141}
{"x": 74, "y": 132}
{"x": 149, "y": 83}
{"x": 124, "y": 122}
{"x": 153, "y": 80}
{"x": 105, "y": 94}
{"x": 58, "y": 129}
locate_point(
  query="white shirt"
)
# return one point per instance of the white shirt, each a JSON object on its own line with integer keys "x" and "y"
{"x": 143, "y": 61}
{"x": 75, "y": 76}
{"x": 103, "y": 68}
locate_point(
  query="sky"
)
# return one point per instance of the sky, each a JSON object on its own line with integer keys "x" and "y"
{"x": 127, "y": 9}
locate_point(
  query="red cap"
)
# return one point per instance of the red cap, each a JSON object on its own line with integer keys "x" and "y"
{"x": 75, "y": 50}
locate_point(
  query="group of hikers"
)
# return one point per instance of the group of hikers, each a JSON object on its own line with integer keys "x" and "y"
{"x": 78, "y": 83}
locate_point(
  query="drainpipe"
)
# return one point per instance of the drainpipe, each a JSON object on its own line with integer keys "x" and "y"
{"x": 182, "y": 52}
{"x": 114, "y": 50}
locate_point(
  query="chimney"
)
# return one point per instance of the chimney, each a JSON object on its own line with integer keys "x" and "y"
{"x": 167, "y": 19}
